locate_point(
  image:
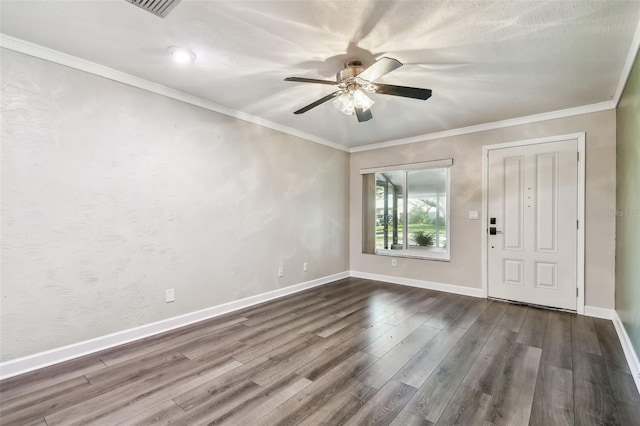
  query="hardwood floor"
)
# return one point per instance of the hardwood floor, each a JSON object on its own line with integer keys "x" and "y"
{"x": 355, "y": 352}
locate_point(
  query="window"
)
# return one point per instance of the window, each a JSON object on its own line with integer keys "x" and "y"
{"x": 406, "y": 210}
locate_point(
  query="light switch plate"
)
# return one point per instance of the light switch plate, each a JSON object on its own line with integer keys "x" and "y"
{"x": 473, "y": 215}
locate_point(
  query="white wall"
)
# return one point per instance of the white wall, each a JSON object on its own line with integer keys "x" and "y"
{"x": 466, "y": 194}
{"x": 111, "y": 194}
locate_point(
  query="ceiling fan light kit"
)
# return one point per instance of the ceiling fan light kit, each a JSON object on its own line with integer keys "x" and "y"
{"x": 350, "y": 100}
{"x": 354, "y": 80}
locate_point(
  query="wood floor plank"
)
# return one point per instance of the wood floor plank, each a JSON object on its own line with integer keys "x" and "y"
{"x": 291, "y": 301}
{"x": 386, "y": 367}
{"x": 385, "y": 343}
{"x": 47, "y": 377}
{"x": 265, "y": 324}
{"x": 342, "y": 322}
{"x": 122, "y": 403}
{"x": 247, "y": 353}
{"x": 513, "y": 399}
{"x": 437, "y": 309}
{"x": 610, "y": 346}
{"x": 467, "y": 407}
{"x": 303, "y": 404}
{"x": 165, "y": 413}
{"x": 232, "y": 332}
{"x": 553, "y": 397}
{"x": 342, "y": 406}
{"x": 404, "y": 418}
{"x": 384, "y": 406}
{"x": 584, "y": 336}
{"x": 419, "y": 368}
{"x": 593, "y": 396}
{"x": 455, "y": 307}
{"x": 424, "y": 300}
{"x": 293, "y": 308}
{"x": 389, "y": 302}
{"x": 278, "y": 370}
{"x": 513, "y": 318}
{"x": 471, "y": 313}
{"x": 533, "y": 328}
{"x": 199, "y": 394}
{"x": 263, "y": 402}
{"x": 136, "y": 368}
{"x": 346, "y": 286}
{"x": 38, "y": 422}
{"x": 329, "y": 360}
{"x": 307, "y": 322}
{"x": 34, "y": 405}
{"x": 623, "y": 387}
{"x": 58, "y": 401}
{"x": 210, "y": 347}
{"x": 485, "y": 372}
{"x": 317, "y": 357}
{"x": 556, "y": 348}
{"x": 432, "y": 397}
{"x": 628, "y": 413}
{"x": 215, "y": 406}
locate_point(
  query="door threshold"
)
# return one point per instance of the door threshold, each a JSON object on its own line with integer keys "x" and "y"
{"x": 533, "y": 305}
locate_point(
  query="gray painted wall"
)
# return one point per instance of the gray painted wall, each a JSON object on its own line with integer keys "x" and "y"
{"x": 628, "y": 207}
{"x": 466, "y": 189}
{"x": 112, "y": 194}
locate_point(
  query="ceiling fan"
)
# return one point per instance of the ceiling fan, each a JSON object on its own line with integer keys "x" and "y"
{"x": 354, "y": 80}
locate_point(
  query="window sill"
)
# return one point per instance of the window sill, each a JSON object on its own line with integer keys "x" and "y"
{"x": 424, "y": 254}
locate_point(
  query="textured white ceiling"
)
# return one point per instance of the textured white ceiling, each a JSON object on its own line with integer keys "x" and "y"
{"x": 485, "y": 61}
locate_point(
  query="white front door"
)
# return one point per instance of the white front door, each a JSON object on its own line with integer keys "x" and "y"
{"x": 533, "y": 204}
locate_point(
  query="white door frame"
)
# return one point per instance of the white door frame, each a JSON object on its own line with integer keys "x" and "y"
{"x": 580, "y": 137}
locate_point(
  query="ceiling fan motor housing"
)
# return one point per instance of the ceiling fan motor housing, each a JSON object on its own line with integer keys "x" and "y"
{"x": 351, "y": 70}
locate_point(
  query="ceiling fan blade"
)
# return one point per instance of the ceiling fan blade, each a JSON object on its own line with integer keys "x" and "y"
{"x": 318, "y": 102}
{"x": 310, "y": 80}
{"x": 404, "y": 91}
{"x": 382, "y": 67}
{"x": 363, "y": 115}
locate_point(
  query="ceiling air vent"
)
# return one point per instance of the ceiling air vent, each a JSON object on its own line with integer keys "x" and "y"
{"x": 158, "y": 7}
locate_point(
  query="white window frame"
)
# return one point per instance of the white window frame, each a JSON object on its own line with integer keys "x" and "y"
{"x": 427, "y": 254}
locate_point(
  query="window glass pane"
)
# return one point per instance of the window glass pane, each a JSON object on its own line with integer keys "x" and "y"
{"x": 427, "y": 209}
{"x": 389, "y": 210}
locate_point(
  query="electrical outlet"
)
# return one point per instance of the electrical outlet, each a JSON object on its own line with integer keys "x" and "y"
{"x": 394, "y": 262}
{"x": 305, "y": 266}
{"x": 281, "y": 271}
{"x": 170, "y": 295}
{"x": 473, "y": 215}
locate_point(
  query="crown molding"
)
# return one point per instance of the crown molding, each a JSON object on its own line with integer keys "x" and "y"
{"x": 585, "y": 109}
{"x": 74, "y": 62}
{"x": 626, "y": 70}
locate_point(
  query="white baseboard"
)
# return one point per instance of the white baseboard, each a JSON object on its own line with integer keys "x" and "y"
{"x": 65, "y": 353}
{"x": 593, "y": 311}
{"x": 430, "y": 285}
{"x": 627, "y": 347}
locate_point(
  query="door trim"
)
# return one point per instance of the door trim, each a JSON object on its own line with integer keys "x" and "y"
{"x": 580, "y": 139}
